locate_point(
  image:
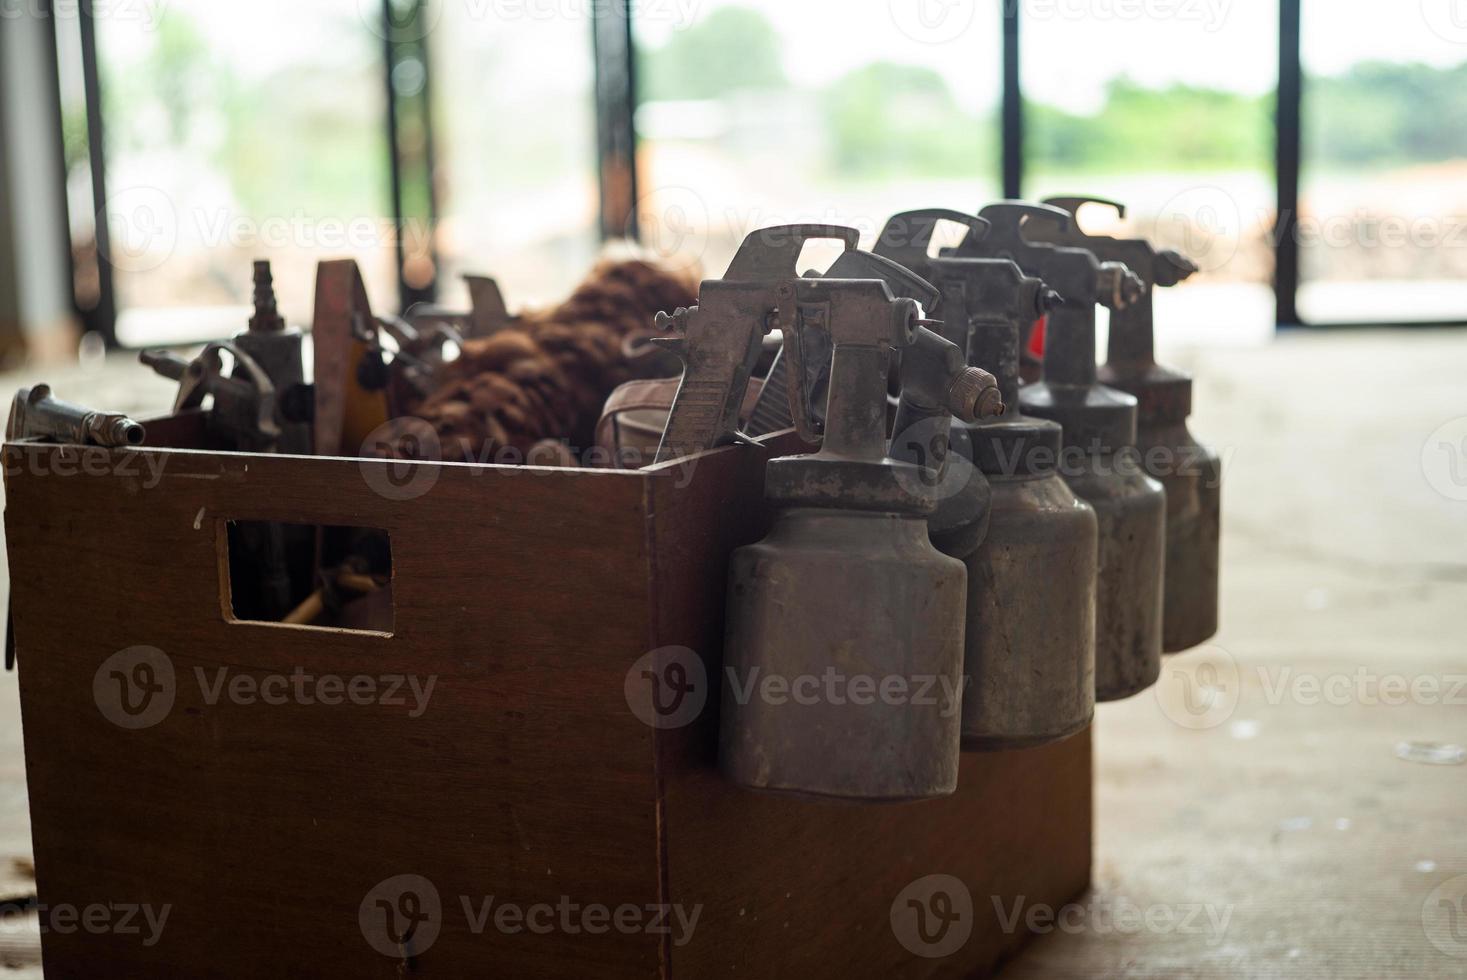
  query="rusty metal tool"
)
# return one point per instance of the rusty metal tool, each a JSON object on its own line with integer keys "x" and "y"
{"x": 37, "y": 414}
{"x": 1190, "y": 472}
{"x": 487, "y": 315}
{"x": 921, "y": 432}
{"x": 719, "y": 340}
{"x": 276, "y": 350}
{"x": 1030, "y": 634}
{"x": 1098, "y": 454}
{"x": 847, "y": 589}
{"x": 243, "y": 414}
{"x": 1075, "y": 273}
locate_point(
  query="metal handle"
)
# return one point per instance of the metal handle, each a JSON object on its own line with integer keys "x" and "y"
{"x": 908, "y": 235}
{"x": 166, "y": 363}
{"x": 774, "y": 252}
{"x": 1074, "y": 204}
{"x": 901, "y": 280}
{"x": 1013, "y": 213}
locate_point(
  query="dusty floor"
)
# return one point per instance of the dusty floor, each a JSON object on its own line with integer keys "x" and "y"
{"x": 1255, "y": 815}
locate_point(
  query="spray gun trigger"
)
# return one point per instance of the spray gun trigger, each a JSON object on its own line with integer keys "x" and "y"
{"x": 673, "y": 345}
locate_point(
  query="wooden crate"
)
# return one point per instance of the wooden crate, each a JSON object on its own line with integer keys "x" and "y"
{"x": 528, "y": 595}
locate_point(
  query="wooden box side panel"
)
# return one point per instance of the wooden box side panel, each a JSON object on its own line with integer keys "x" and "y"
{"x": 790, "y": 888}
{"x": 262, "y": 827}
{"x": 782, "y": 887}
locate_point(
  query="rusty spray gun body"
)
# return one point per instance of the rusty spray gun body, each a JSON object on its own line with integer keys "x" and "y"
{"x": 719, "y": 340}
{"x": 846, "y": 588}
{"x": 1030, "y": 639}
{"x": 924, "y": 429}
{"x": 1190, "y": 472}
{"x": 1099, "y": 439}
{"x": 259, "y": 406}
{"x": 922, "y": 434}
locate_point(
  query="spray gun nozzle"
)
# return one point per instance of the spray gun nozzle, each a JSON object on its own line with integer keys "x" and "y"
{"x": 1119, "y": 287}
{"x": 974, "y": 395}
{"x": 1173, "y": 268}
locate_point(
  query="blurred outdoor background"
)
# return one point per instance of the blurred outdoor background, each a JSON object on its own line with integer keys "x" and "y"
{"x": 235, "y": 131}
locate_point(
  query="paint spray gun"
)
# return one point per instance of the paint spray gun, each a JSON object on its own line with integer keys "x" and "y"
{"x": 1099, "y": 446}
{"x": 1190, "y": 472}
{"x": 924, "y": 431}
{"x": 720, "y": 340}
{"x": 876, "y": 602}
{"x": 1029, "y": 656}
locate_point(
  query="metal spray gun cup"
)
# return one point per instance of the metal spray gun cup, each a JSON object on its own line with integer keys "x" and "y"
{"x": 1029, "y": 651}
{"x": 1190, "y": 472}
{"x": 1098, "y": 456}
{"x": 844, "y": 640}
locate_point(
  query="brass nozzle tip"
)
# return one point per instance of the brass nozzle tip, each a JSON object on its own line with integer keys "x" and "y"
{"x": 974, "y": 395}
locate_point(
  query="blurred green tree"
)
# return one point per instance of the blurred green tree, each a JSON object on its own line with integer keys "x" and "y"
{"x": 732, "y": 49}
{"x": 890, "y": 119}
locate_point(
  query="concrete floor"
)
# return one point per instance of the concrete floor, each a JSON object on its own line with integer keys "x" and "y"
{"x": 1255, "y": 814}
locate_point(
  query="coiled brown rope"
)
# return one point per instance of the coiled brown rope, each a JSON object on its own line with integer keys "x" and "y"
{"x": 548, "y": 375}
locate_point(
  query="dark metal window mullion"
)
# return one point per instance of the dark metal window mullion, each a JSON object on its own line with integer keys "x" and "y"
{"x": 1289, "y": 136}
{"x": 404, "y": 37}
{"x": 102, "y": 319}
{"x": 1012, "y": 111}
{"x": 616, "y": 101}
